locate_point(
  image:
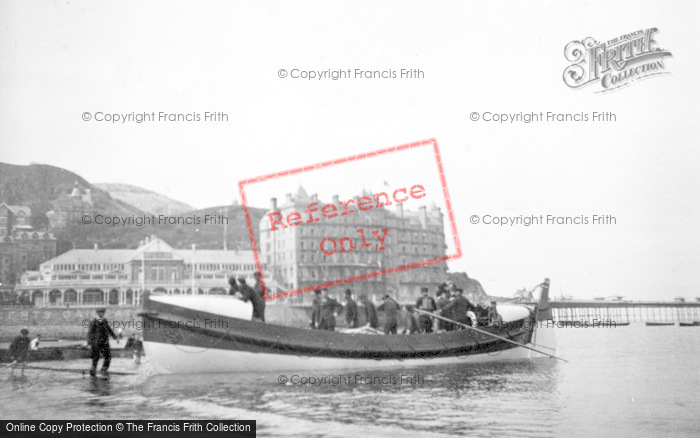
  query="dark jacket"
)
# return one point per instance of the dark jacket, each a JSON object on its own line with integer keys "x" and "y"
{"x": 99, "y": 332}
{"x": 18, "y": 348}
{"x": 316, "y": 312}
{"x": 458, "y": 307}
{"x": 351, "y": 316}
{"x": 328, "y": 309}
{"x": 232, "y": 289}
{"x": 391, "y": 308}
{"x": 371, "y": 314}
{"x": 249, "y": 294}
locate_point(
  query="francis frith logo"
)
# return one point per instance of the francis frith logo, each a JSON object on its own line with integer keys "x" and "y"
{"x": 615, "y": 63}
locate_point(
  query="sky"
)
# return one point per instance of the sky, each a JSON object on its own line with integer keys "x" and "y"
{"x": 63, "y": 59}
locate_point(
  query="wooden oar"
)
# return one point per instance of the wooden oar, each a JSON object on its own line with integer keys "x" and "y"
{"x": 488, "y": 334}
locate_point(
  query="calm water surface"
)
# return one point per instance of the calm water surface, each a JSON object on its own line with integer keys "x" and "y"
{"x": 626, "y": 381}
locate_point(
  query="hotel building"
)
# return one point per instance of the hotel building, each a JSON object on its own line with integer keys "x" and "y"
{"x": 294, "y": 259}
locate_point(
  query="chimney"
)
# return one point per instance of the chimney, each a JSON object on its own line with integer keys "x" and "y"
{"x": 289, "y": 197}
{"x": 314, "y": 197}
{"x": 273, "y": 204}
{"x": 423, "y": 216}
{"x": 399, "y": 209}
{"x": 336, "y": 199}
{"x": 96, "y": 247}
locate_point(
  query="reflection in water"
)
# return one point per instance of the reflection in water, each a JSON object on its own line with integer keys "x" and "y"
{"x": 450, "y": 397}
{"x": 101, "y": 388}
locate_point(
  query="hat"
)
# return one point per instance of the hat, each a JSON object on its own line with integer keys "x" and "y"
{"x": 24, "y": 331}
{"x": 101, "y": 310}
{"x": 317, "y": 291}
{"x": 348, "y": 292}
{"x": 386, "y": 296}
{"x": 241, "y": 279}
{"x": 232, "y": 280}
{"x": 423, "y": 289}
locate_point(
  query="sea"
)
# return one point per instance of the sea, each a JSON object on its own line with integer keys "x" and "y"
{"x": 631, "y": 381}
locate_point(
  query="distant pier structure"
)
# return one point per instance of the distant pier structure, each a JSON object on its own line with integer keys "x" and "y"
{"x": 621, "y": 311}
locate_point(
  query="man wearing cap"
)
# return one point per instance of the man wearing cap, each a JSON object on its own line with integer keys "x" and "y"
{"x": 351, "y": 316}
{"x": 391, "y": 308}
{"x": 248, "y": 294}
{"x": 425, "y": 303}
{"x": 98, "y": 340}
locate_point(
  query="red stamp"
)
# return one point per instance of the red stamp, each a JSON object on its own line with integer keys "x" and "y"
{"x": 308, "y": 244}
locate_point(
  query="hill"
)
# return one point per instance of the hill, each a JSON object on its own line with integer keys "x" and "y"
{"x": 178, "y": 235}
{"x": 469, "y": 285}
{"x": 37, "y": 185}
{"x": 145, "y": 200}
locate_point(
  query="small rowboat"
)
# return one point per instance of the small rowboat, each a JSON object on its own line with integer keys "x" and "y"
{"x": 689, "y": 324}
{"x": 215, "y": 333}
{"x": 63, "y": 352}
{"x": 654, "y": 324}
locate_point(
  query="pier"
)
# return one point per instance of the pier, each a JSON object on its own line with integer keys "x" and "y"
{"x": 625, "y": 311}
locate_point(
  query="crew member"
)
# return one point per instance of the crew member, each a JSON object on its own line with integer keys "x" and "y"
{"x": 330, "y": 308}
{"x": 18, "y": 350}
{"x": 316, "y": 309}
{"x": 442, "y": 302}
{"x": 234, "y": 288}
{"x": 98, "y": 340}
{"x": 458, "y": 307}
{"x": 425, "y": 303}
{"x": 391, "y": 308}
{"x": 248, "y": 294}
{"x": 351, "y": 316}
{"x": 371, "y": 318}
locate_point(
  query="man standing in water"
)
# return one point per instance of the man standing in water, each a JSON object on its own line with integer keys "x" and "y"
{"x": 98, "y": 340}
{"x": 18, "y": 350}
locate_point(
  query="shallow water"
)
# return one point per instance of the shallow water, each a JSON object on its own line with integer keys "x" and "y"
{"x": 626, "y": 381}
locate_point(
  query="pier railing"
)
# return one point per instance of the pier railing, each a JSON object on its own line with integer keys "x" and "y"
{"x": 625, "y": 311}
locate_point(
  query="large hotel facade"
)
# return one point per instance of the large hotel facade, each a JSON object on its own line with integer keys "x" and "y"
{"x": 88, "y": 277}
{"x": 294, "y": 259}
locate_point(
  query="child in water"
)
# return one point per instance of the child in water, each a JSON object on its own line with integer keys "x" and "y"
{"x": 138, "y": 349}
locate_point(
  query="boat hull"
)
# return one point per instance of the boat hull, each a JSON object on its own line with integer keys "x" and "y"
{"x": 177, "y": 359}
{"x": 181, "y": 340}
